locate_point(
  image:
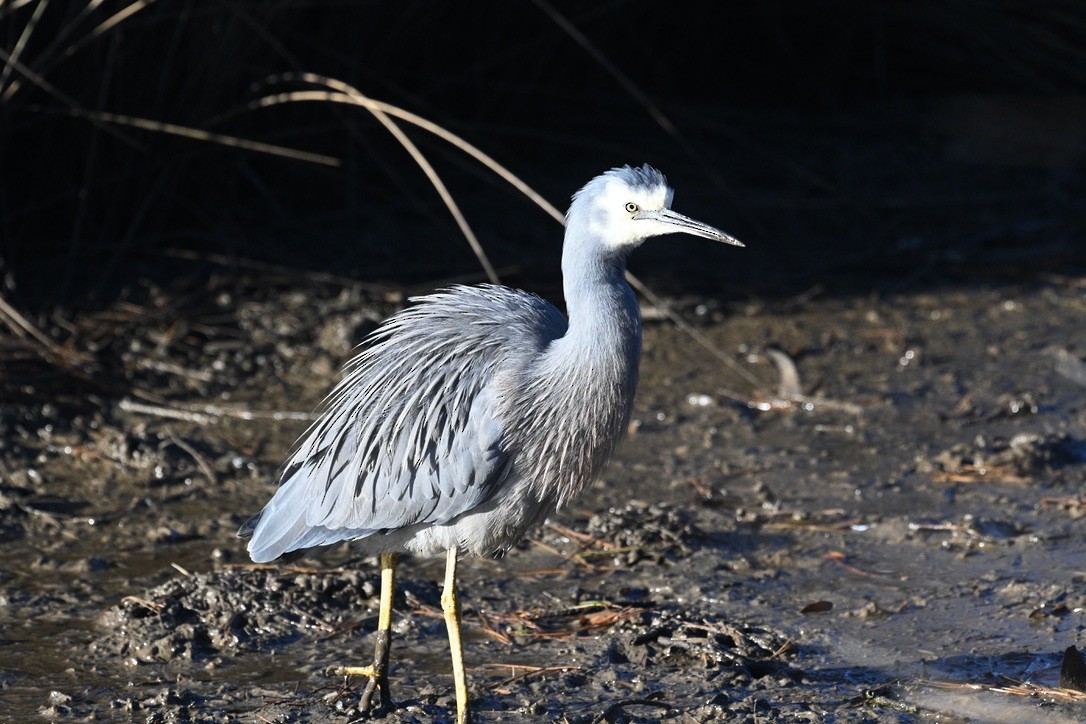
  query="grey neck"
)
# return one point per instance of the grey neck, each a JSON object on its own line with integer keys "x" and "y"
{"x": 604, "y": 318}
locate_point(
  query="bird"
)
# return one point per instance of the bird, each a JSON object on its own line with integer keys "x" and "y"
{"x": 475, "y": 413}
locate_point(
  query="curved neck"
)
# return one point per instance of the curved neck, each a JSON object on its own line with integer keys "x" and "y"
{"x": 603, "y": 312}
{"x": 583, "y": 385}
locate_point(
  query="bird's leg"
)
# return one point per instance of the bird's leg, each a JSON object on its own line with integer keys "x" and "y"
{"x": 378, "y": 671}
{"x": 450, "y": 604}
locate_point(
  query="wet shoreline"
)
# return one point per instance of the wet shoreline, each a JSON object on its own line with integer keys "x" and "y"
{"x": 898, "y": 548}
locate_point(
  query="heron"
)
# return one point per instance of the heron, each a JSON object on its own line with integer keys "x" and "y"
{"x": 474, "y": 414}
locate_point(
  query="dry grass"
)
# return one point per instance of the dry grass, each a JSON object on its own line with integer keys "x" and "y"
{"x": 1015, "y": 688}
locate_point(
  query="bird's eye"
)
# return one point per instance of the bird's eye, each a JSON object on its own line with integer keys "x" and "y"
{"x": 631, "y": 207}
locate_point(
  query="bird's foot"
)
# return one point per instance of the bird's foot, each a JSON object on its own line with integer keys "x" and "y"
{"x": 378, "y": 681}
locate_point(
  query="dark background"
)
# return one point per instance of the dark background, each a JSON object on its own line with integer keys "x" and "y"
{"x": 850, "y": 144}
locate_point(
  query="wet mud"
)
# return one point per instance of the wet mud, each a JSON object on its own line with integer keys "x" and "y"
{"x": 902, "y": 541}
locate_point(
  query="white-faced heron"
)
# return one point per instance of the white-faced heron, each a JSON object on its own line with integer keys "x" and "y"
{"x": 473, "y": 415}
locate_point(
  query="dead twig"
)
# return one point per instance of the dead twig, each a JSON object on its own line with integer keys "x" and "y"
{"x": 1075, "y": 503}
{"x": 201, "y": 462}
{"x": 489, "y": 630}
{"x": 172, "y": 368}
{"x": 981, "y": 474}
{"x": 23, "y": 328}
{"x": 197, "y": 134}
{"x": 525, "y": 672}
{"x": 584, "y": 618}
{"x": 181, "y": 569}
{"x": 652, "y": 699}
{"x": 208, "y": 413}
{"x": 576, "y": 558}
{"x": 839, "y": 558}
{"x": 816, "y": 520}
{"x": 1015, "y": 688}
{"x": 584, "y": 538}
{"x": 20, "y": 44}
{"x": 152, "y": 606}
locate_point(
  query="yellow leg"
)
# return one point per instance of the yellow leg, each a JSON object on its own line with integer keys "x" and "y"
{"x": 450, "y": 604}
{"x": 378, "y": 671}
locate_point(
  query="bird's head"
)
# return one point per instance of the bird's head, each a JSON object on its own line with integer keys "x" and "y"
{"x": 624, "y": 206}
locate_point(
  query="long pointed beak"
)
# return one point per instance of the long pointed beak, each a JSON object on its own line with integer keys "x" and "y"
{"x": 685, "y": 225}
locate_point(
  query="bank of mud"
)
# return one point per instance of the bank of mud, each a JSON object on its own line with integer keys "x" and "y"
{"x": 904, "y": 545}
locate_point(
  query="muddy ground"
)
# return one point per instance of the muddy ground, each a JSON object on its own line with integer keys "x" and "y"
{"x": 905, "y": 546}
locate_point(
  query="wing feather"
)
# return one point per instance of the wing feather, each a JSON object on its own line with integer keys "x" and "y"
{"x": 413, "y": 433}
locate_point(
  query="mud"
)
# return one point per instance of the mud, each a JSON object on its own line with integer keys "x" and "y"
{"x": 905, "y": 544}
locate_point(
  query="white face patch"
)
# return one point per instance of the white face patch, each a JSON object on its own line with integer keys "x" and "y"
{"x": 615, "y": 205}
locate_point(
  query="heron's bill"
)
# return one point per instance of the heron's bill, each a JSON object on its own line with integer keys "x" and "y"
{"x": 686, "y": 225}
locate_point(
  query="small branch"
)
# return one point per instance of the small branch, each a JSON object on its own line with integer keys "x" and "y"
{"x": 23, "y": 328}
{"x": 203, "y": 414}
{"x": 609, "y": 713}
{"x": 527, "y": 671}
{"x": 201, "y": 463}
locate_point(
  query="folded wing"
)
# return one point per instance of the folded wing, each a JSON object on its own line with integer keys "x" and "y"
{"x": 413, "y": 433}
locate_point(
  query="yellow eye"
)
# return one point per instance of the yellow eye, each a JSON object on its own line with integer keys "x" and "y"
{"x": 631, "y": 206}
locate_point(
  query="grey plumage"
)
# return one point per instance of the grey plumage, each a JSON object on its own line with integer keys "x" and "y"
{"x": 479, "y": 411}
